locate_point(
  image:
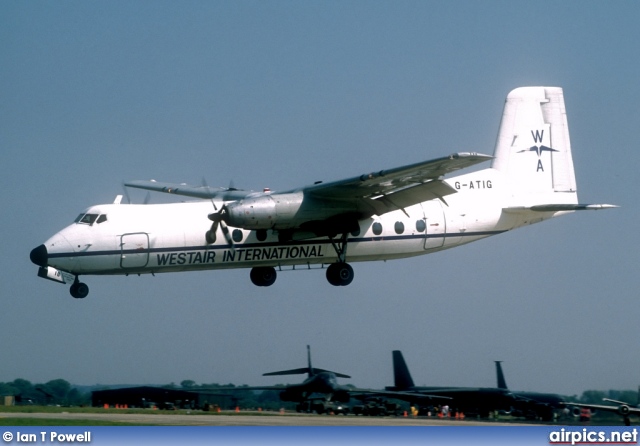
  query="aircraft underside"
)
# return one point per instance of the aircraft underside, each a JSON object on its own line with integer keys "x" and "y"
{"x": 264, "y": 260}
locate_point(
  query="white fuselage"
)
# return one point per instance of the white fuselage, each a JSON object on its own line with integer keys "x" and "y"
{"x": 134, "y": 239}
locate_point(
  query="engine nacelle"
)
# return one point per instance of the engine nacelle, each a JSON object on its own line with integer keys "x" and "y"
{"x": 265, "y": 212}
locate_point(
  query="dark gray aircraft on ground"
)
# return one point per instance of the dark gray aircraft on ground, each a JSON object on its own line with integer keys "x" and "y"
{"x": 531, "y": 404}
{"x": 320, "y": 389}
{"x": 480, "y": 401}
{"x": 623, "y": 409}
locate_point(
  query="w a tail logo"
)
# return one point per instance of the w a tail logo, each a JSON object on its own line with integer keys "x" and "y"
{"x": 538, "y": 136}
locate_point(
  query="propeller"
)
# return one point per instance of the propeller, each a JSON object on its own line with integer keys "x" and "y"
{"x": 218, "y": 219}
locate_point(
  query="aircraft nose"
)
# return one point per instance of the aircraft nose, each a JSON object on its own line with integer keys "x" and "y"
{"x": 39, "y": 255}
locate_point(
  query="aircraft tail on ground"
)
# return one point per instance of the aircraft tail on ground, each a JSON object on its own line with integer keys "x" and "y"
{"x": 502, "y": 383}
{"x": 533, "y": 151}
{"x": 401, "y": 376}
{"x": 309, "y": 370}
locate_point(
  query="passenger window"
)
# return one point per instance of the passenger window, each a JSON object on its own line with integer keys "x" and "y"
{"x": 377, "y": 228}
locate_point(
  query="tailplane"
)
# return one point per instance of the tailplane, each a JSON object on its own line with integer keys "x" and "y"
{"x": 309, "y": 370}
{"x": 533, "y": 151}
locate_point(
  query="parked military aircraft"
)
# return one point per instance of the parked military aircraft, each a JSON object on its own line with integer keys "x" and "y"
{"x": 382, "y": 215}
{"x": 480, "y": 401}
{"x": 320, "y": 386}
{"x": 621, "y": 408}
{"x": 531, "y": 404}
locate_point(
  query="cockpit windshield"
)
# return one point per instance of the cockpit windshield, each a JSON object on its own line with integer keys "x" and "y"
{"x": 90, "y": 219}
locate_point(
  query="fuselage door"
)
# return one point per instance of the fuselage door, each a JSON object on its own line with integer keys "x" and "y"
{"x": 134, "y": 250}
{"x": 436, "y": 226}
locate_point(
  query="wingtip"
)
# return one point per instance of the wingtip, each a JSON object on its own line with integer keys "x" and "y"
{"x": 602, "y": 206}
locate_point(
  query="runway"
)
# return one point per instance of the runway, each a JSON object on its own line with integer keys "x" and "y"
{"x": 246, "y": 419}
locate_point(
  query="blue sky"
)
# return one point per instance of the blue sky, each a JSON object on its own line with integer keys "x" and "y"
{"x": 281, "y": 94}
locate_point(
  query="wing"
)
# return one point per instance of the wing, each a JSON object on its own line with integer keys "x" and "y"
{"x": 382, "y": 191}
{"x": 239, "y": 389}
{"x": 622, "y": 409}
{"x": 206, "y": 192}
{"x": 402, "y": 396}
{"x": 391, "y": 189}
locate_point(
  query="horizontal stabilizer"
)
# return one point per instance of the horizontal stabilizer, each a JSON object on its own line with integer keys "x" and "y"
{"x": 304, "y": 370}
{"x": 561, "y": 207}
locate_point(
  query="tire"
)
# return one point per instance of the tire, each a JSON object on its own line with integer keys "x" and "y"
{"x": 79, "y": 290}
{"x": 340, "y": 274}
{"x": 263, "y": 275}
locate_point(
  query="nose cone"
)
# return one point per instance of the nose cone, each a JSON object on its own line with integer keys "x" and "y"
{"x": 40, "y": 256}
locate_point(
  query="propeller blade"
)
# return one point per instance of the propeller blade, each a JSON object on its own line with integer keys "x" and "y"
{"x": 227, "y": 235}
{"x": 210, "y": 235}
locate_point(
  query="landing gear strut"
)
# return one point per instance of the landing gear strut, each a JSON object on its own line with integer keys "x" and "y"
{"x": 79, "y": 290}
{"x": 340, "y": 273}
{"x": 263, "y": 275}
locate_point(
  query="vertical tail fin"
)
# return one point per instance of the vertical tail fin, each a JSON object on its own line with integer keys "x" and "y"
{"x": 401, "y": 376}
{"x": 533, "y": 148}
{"x": 502, "y": 383}
{"x": 310, "y": 372}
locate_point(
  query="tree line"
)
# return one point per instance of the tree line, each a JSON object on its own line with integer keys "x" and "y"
{"x": 54, "y": 392}
{"x": 61, "y": 392}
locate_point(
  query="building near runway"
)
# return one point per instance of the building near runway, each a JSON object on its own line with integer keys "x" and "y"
{"x": 149, "y": 397}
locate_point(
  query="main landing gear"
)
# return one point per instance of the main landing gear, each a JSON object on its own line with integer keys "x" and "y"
{"x": 338, "y": 274}
{"x": 263, "y": 275}
{"x": 79, "y": 290}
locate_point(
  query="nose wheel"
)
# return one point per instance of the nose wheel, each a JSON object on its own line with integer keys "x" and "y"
{"x": 79, "y": 290}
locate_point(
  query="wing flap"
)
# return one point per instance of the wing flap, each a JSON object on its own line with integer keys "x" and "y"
{"x": 397, "y": 179}
{"x": 412, "y": 195}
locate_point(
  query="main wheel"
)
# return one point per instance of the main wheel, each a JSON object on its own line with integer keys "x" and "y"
{"x": 340, "y": 274}
{"x": 79, "y": 290}
{"x": 263, "y": 275}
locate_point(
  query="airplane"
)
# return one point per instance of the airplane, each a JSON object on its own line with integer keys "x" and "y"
{"x": 622, "y": 408}
{"x": 319, "y": 382}
{"x": 386, "y": 214}
{"x": 480, "y": 401}
{"x": 531, "y": 404}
